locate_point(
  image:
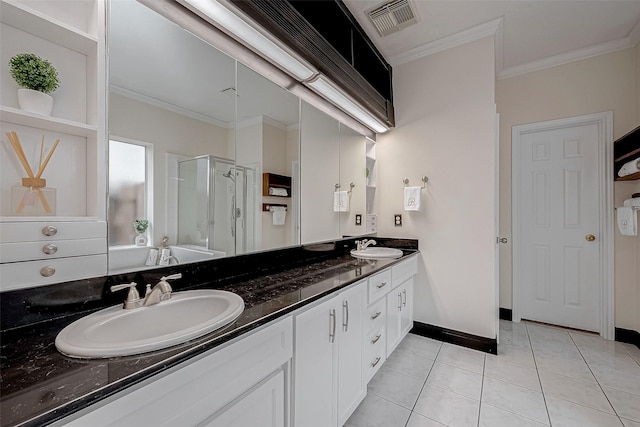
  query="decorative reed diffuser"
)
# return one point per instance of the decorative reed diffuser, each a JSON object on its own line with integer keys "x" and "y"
{"x": 33, "y": 197}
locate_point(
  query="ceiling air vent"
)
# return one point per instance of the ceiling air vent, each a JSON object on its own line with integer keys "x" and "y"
{"x": 393, "y": 16}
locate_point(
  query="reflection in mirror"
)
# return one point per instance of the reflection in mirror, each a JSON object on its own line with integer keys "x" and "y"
{"x": 267, "y": 164}
{"x": 128, "y": 176}
{"x": 176, "y": 93}
{"x": 353, "y": 174}
{"x": 321, "y": 203}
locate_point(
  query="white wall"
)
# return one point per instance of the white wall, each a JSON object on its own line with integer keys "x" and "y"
{"x": 445, "y": 130}
{"x": 169, "y": 133}
{"x": 604, "y": 83}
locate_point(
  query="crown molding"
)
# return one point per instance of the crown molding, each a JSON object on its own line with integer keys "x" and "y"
{"x": 167, "y": 106}
{"x": 260, "y": 120}
{"x": 472, "y": 34}
{"x": 565, "y": 58}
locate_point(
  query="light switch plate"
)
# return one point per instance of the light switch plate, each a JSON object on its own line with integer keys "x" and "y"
{"x": 397, "y": 220}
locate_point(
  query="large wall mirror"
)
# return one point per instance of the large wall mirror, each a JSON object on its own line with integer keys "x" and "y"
{"x": 217, "y": 158}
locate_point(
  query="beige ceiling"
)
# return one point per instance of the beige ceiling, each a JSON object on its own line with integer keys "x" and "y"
{"x": 530, "y": 35}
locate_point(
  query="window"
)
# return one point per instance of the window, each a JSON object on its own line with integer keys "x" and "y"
{"x": 129, "y": 192}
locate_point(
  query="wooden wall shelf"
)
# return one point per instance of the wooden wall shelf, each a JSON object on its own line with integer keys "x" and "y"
{"x": 626, "y": 149}
{"x": 272, "y": 180}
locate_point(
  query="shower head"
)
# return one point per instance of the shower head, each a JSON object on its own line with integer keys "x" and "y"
{"x": 229, "y": 175}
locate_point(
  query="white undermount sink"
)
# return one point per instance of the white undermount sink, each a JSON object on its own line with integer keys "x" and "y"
{"x": 115, "y": 331}
{"x": 376, "y": 253}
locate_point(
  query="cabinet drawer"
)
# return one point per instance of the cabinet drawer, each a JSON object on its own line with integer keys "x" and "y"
{"x": 373, "y": 360}
{"x": 27, "y": 231}
{"x": 379, "y": 285}
{"x": 30, "y": 273}
{"x": 404, "y": 270}
{"x": 28, "y": 251}
{"x": 376, "y": 314}
{"x": 374, "y": 342}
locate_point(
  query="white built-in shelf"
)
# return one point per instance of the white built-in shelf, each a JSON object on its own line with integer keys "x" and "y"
{"x": 54, "y": 124}
{"x": 34, "y": 22}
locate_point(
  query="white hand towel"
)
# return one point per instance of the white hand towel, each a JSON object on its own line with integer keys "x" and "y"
{"x": 627, "y": 221}
{"x": 279, "y": 214}
{"x": 412, "y": 198}
{"x": 274, "y": 191}
{"x": 630, "y": 167}
{"x": 341, "y": 201}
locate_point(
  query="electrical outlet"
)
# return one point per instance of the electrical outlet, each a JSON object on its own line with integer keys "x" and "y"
{"x": 397, "y": 219}
{"x": 358, "y": 219}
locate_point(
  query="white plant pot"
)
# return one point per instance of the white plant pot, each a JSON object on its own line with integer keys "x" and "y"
{"x": 35, "y": 102}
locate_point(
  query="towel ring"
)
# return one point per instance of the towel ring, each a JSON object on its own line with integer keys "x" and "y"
{"x": 424, "y": 181}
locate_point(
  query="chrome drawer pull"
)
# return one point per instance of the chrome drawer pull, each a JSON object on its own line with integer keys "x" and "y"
{"x": 50, "y": 249}
{"x": 49, "y": 230}
{"x": 381, "y": 285}
{"x": 404, "y": 300}
{"x": 375, "y": 362}
{"x": 47, "y": 271}
{"x": 375, "y": 316}
{"x": 375, "y": 340}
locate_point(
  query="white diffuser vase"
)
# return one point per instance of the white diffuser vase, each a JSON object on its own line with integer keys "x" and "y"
{"x": 35, "y": 101}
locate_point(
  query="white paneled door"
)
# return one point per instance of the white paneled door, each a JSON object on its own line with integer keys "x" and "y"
{"x": 557, "y": 231}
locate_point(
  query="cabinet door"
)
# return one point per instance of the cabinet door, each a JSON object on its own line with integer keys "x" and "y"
{"x": 261, "y": 406}
{"x": 351, "y": 386}
{"x": 406, "y": 315}
{"x": 394, "y": 312}
{"x": 314, "y": 362}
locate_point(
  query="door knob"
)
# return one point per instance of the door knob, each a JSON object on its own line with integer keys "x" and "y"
{"x": 590, "y": 237}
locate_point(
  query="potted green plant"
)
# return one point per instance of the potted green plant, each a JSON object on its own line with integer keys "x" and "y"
{"x": 38, "y": 78}
{"x": 141, "y": 225}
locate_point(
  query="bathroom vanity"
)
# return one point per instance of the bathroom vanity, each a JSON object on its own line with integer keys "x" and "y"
{"x": 304, "y": 308}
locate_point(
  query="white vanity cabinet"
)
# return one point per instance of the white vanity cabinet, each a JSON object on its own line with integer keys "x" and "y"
{"x": 243, "y": 384}
{"x": 328, "y": 381}
{"x": 400, "y": 302}
{"x": 71, "y": 36}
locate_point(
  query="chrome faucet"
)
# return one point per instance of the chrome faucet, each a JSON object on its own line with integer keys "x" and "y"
{"x": 363, "y": 244}
{"x": 160, "y": 292}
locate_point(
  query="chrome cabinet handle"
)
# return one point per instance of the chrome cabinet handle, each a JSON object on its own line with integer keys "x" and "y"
{"x": 49, "y": 230}
{"x": 376, "y": 338}
{"x": 375, "y": 316}
{"x": 399, "y": 301}
{"x": 381, "y": 285}
{"x": 404, "y": 300}
{"x": 345, "y": 307}
{"x": 375, "y": 362}
{"x": 47, "y": 271}
{"x": 332, "y": 318}
{"x": 50, "y": 249}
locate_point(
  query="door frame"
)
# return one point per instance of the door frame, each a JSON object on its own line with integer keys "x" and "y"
{"x": 604, "y": 121}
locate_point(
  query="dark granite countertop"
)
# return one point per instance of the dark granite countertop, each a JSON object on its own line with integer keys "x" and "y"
{"x": 39, "y": 385}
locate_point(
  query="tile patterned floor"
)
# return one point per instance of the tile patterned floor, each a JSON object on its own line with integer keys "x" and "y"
{"x": 542, "y": 376}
